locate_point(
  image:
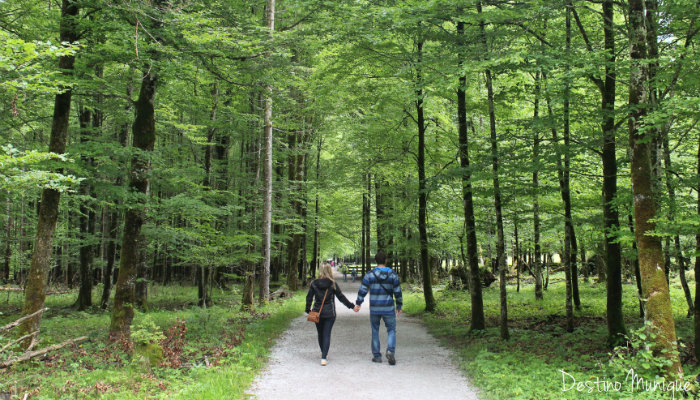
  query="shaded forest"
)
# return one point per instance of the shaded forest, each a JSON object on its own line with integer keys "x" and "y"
{"x": 230, "y": 147}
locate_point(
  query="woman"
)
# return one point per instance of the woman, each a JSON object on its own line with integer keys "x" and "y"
{"x": 317, "y": 290}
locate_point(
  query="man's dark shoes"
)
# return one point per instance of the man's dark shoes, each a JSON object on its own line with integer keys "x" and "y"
{"x": 390, "y": 357}
{"x": 377, "y": 359}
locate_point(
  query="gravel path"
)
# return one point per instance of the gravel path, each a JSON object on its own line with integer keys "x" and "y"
{"x": 423, "y": 369}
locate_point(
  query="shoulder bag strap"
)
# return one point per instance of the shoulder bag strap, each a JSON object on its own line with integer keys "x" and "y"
{"x": 389, "y": 292}
{"x": 324, "y": 300}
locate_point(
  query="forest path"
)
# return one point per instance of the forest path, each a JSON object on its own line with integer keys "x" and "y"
{"x": 423, "y": 370}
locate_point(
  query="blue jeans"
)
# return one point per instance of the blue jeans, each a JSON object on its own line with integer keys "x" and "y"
{"x": 390, "y": 323}
{"x": 324, "y": 327}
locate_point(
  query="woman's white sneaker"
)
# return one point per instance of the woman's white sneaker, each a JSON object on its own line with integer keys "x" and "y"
{"x": 324, "y": 361}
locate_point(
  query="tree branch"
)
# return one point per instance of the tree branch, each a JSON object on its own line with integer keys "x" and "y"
{"x": 31, "y": 354}
{"x": 19, "y": 321}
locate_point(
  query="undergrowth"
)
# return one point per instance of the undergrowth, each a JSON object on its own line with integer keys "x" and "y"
{"x": 201, "y": 354}
{"x": 542, "y": 360}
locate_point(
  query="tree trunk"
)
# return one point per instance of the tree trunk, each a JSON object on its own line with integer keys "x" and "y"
{"x": 477, "y": 302}
{"x": 537, "y": 262}
{"x": 584, "y": 262}
{"x": 363, "y": 239}
{"x": 368, "y": 226}
{"x": 500, "y": 240}
{"x": 564, "y": 183}
{"x": 422, "y": 189}
{"x": 404, "y": 254}
{"x": 144, "y": 136}
{"x": 382, "y": 215}
{"x": 35, "y": 290}
{"x": 637, "y": 274}
{"x": 613, "y": 257}
{"x": 295, "y": 177}
{"x": 658, "y": 313}
{"x": 204, "y": 283}
{"x": 264, "y": 295}
{"x": 678, "y": 253}
{"x": 142, "y": 277}
{"x": 516, "y": 253}
{"x": 87, "y": 223}
{"x": 696, "y": 308}
{"x": 8, "y": 234}
{"x": 107, "y": 277}
{"x": 315, "y": 260}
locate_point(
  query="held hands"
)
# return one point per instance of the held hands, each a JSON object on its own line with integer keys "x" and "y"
{"x": 357, "y": 308}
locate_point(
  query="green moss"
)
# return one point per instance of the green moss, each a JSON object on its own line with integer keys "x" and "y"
{"x": 149, "y": 354}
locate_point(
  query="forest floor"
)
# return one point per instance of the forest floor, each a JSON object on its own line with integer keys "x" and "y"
{"x": 212, "y": 353}
{"x": 532, "y": 363}
{"x": 423, "y": 370}
{"x": 224, "y": 349}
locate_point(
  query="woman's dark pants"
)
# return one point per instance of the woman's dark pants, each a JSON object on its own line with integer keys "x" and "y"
{"x": 324, "y": 327}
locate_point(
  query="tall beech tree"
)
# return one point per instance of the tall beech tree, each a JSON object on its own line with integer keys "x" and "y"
{"x": 264, "y": 294}
{"x": 87, "y": 217}
{"x": 611, "y": 218}
{"x": 114, "y": 215}
{"x": 422, "y": 187}
{"x": 537, "y": 250}
{"x": 477, "y": 322}
{"x": 696, "y": 309}
{"x": 658, "y": 313}
{"x": 144, "y": 137}
{"x": 569, "y": 259}
{"x": 500, "y": 239}
{"x": 35, "y": 290}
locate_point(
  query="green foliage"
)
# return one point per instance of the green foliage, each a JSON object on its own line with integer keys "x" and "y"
{"x": 21, "y": 65}
{"x": 530, "y": 365}
{"x": 638, "y": 356}
{"x": 145, "y": 331}
{"x": 21, "y": 170}
{"x": 224, "y": 349}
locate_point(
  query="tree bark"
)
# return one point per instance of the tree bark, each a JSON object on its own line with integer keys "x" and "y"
{"x": 315, "y": 260}
{"x": 114, "y": 217}
{"x": 142, "y": 276}
{"x": 295, "y": 176}
{"x": 363, "y": 239}
{"x": 204, "y": 283}
{"x": 537, "y": 262}
{"x": 500, "y": 240}
{"x": 637, "y": 274}
{"x": 564, "y": 187}
{"x": 87, "y": 223}
{"x": 144, "y": 135}
{"x": 8, "y": 234}
{"x": 477, "y": 302}
{"x": 35, "y": 291}
{"x": 696, "y": 308}
{"x": 368, "y": 226}
{"x": 613, "y": 257}
{"x": 264, "y": 295}
{"x": 422, "y": 189}
{"x": 658, "y": 315}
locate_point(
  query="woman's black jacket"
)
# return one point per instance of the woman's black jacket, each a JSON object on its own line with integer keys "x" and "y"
{"x": 316, "y": 292}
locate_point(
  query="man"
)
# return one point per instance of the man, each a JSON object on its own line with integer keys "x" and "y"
{"x": 344, "y": 271}
{"x": 383, "y": 286}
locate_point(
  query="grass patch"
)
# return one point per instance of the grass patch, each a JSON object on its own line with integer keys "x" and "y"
{"x": 529, "y": 365}
{"x": 223, "y": 349}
